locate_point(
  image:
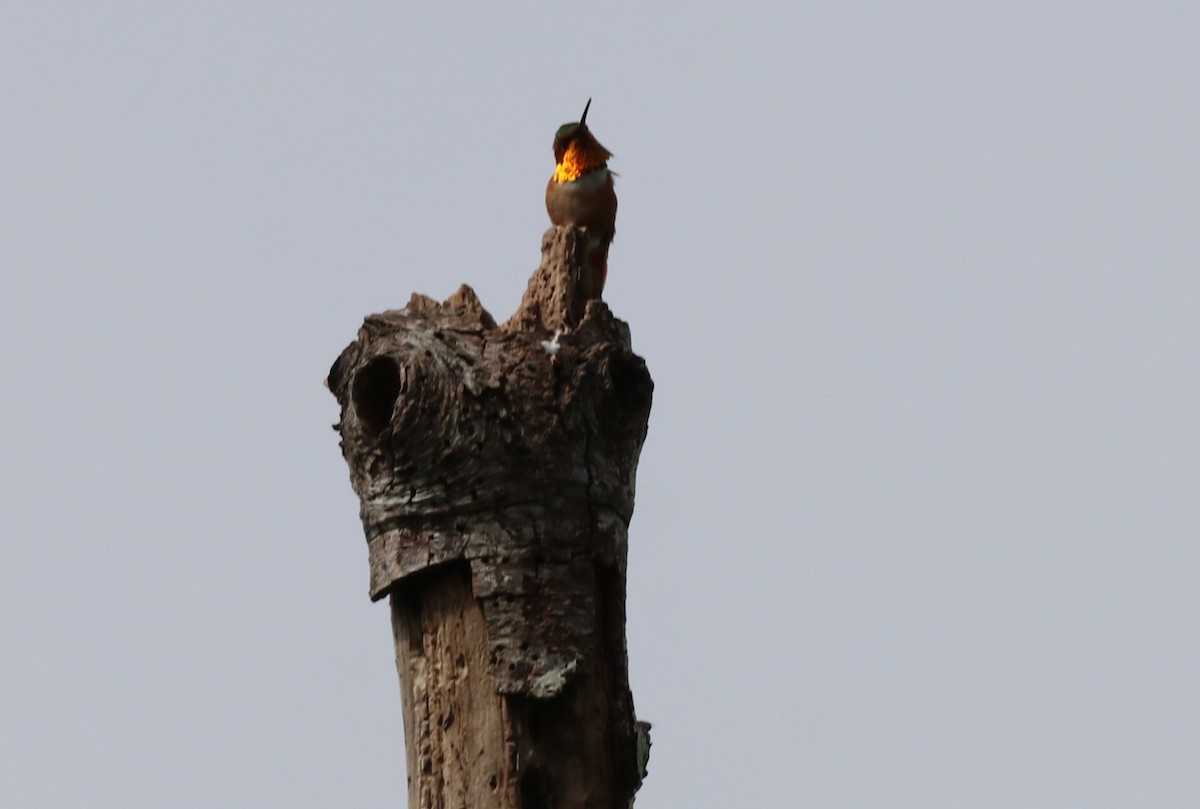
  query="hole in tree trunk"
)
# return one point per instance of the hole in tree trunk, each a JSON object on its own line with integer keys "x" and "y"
{"x": 374, "y": 393}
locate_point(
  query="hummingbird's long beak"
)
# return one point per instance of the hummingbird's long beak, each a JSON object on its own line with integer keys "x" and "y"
{"x": 583, "y": 118}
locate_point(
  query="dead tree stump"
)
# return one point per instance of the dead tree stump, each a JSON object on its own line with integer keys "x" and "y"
{"x": 495, "y": 469}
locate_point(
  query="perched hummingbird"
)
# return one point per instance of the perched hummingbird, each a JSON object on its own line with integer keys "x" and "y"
{"x": 580, "y": 194}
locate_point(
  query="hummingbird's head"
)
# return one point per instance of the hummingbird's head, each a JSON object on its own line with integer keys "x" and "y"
{"x": 576, "y": 152}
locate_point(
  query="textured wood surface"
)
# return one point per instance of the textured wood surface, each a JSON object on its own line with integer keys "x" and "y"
{"x": 460, "y": 755}
{"x": 495, "y": 469}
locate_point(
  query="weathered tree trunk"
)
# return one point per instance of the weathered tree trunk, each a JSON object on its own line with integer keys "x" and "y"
{"x": 495, "y": 470}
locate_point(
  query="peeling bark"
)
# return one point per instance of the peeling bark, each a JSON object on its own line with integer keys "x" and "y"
{"x": 495, "y": 470}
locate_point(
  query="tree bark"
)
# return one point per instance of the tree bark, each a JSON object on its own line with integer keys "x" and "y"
{"x": 495, "y": 470}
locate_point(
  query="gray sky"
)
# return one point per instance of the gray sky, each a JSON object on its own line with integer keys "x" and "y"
{"x": 917, "y": 516}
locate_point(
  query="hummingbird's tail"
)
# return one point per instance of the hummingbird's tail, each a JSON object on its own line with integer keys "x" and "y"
{"x": 596, "y": 263}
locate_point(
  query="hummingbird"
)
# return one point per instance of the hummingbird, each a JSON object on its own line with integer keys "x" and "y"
{"x": 580, "y": 194}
